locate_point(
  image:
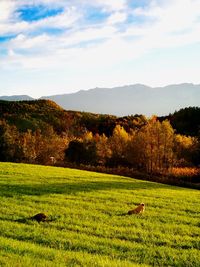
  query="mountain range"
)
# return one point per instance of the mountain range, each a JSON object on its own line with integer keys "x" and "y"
{"x": 16, "y": 98}
{"x": 127, "y": 100}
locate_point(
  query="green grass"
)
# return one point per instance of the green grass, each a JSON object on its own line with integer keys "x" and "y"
{"x": 89, "y": 226}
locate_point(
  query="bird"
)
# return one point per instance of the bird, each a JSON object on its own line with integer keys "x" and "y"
{"x": 39, "y": 217}
{"x": 140, "y": 209}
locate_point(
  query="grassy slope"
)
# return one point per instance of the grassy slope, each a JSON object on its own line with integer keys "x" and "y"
{"x": 89, "y": 227}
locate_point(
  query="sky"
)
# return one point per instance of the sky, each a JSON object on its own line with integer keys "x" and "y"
{"x": 50, "y": 47}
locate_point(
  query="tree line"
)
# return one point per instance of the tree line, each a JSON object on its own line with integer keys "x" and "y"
{"x": 41, "y": 132}
{"x": 153, "y": 148}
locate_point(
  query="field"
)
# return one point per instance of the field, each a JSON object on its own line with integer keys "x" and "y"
{"x": 88, "y": 225}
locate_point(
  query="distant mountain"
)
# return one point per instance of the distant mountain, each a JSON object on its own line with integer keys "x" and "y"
{"x": 127, "y": 100}
{"x": 16, "y": 98}
{"x": 131, "y": 99}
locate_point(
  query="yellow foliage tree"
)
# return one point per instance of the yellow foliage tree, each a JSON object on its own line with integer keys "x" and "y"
{"x": 151, "y": 147}
{"x": 119, "y": 141}
{"x": 186, "y": 147}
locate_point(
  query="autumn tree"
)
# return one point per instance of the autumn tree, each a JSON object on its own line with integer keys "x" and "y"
{"x": 103, "y": 149}
{"x": 151, "y": 147}
{"x": 82, "y": 150}
{"x": 187, "y": 150}
{"x": 49, "y": 145}
{"x": 10, "y": 149}
{"x": 38, "y": 147}
{"x": 118, "y": 144}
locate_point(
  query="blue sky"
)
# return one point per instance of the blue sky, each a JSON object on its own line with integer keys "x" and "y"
{"x": 39, "y": 12}
{"x": 52, "y": 47}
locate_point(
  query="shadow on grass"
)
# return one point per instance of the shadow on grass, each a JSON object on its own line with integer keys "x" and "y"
{"x": 20, "y": 220}
{"x": 29, "y": 220}
{"x": 73, "y": 188}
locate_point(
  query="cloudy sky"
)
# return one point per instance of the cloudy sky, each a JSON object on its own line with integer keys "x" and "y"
{"x": 61, "y": 46}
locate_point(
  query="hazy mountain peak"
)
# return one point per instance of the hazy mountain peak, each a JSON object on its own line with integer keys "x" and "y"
{"x": 16, "y": 98}
{"x": 132, "y": 99}
{"x": 128, "y": 99}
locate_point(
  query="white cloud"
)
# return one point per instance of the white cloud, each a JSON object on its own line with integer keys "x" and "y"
{"x": 94, "y": 47}
{"x": 63, "y": 20}
{"x": 13, "y": 28}
{"x": 67, "y": 18}
{"x": 171, "y": 25}
{"x": 87, "y": 35}
{"x": 22, "y": 42}
{"x": 173, "y": 15}
{"x": 117, "y": 17}
{"x": 6, "y": 9}
{"x": 174, "y": 24}
{"x": 112, "y": 4}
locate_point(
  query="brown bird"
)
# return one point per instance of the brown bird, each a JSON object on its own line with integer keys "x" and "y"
{"x": 40, "y": 217}
{"x": 139, "y": 209}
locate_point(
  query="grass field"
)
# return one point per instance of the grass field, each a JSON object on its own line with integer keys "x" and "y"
{"x": 89, "y": 226}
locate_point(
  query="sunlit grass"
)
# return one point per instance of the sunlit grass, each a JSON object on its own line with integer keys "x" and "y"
{"x": 89, "y": 224}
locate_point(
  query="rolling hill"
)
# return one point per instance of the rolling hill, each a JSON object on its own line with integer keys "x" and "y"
{"x": 43, "y": 113}
{"x": 36, "y": 114}
{"x": 88, "y": 225}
